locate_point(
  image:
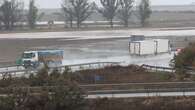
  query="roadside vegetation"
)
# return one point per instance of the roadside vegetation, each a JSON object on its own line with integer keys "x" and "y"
{"x": 155, "y": 103}
{"x": 58, "y": 91}
{"x": 18, "y": 96}
{"x": 184, "y": 62}
{"x": 119, "y": 74}
{"x": 107, "y": 75}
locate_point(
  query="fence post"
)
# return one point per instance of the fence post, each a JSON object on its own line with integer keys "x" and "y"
{"x": 184, "y": 93}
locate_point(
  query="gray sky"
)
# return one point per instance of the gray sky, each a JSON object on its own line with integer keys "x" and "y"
{"x": 56, "y": 3}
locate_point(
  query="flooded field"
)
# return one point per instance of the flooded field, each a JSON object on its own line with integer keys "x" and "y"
{"x": 84, "y": 51}
{"x": 155, "y": 60}
{"x": 91, "y": 46}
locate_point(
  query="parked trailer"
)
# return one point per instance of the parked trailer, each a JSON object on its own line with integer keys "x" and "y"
{"x": 142, "y": 47}
{"x": 162, "y": 45}
{"x": 149, "y": 47}
{"x": 137, "y": 38}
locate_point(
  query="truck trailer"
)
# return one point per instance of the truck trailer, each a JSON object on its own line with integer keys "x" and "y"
{"x": 36, "y": 58}
{"x": 149, "y": 47}
{"x": 162, "y": 45}
{"x": 137, "y": 38}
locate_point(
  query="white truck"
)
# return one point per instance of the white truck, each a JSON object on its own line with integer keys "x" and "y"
{"x": 149, "y": 47}
{"x": 36, "y": 58}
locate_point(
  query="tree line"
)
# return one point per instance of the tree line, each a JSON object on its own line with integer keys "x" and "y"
{"x": 12, "y": 12}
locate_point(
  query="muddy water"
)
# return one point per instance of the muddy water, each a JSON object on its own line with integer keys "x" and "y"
{"x": 10, "y": 49}
{"x": 84, "y": 51}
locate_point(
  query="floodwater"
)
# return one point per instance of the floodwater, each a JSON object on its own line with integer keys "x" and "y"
{"x": 89, "y": 46}
{"x": 153, "y": 60}
{"x": 111, "y": 51}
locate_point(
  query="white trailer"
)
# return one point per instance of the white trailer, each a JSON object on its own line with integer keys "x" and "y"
{"x": 162, "y": 45}
{"x": 149, "y": 47}
{"x": 142, "y": 47}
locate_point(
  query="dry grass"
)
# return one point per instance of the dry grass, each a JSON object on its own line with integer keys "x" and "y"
{"x": 119, "y": 74}
{"x": 155, "y": 103}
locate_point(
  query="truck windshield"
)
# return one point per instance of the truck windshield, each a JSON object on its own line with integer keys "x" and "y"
{"x": 28, "y": 55}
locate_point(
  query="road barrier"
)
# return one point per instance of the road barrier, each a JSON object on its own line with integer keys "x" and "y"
{"x": 142, "y": 91}
{"x": 113, "y": 93}
{"x": 18, "y": 72}
{"x": 158, "y": 68}
{"x": 125, "y": 87}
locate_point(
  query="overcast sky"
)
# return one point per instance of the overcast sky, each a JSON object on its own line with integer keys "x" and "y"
{"x": 56, "y": 3}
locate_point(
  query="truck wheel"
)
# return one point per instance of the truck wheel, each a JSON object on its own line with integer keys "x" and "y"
{"x": 26, "y": 67}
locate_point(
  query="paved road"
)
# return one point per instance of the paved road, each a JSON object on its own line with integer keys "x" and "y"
{"x": 125, "y": 84}
{"x": 136, "y": 95}
{"x": 100, "y": 34}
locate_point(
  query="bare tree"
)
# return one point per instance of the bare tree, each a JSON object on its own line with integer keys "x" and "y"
{"x": 79, "y": 10}
{"x": 32, "y": 14}
{"x": 82, "y": 10}
{"x": 125, "y": 11}
{"x": 144, "y": 12}
{"x": 11, "y": 12}
{"x": 109, "y": 9}
{"x": 1, "y": 2}
{"x": 68, "y": 14}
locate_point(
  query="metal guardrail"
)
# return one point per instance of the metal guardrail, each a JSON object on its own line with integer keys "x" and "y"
{"x": 125, "y": 91}
{"x": 158, "y": 68}
{"x": 9, "y": 66}
{"x": 139, "y": 84}
{"x": 17, "y": 71}
{"x": 87, "y": 66}
{"x": 121, "y": 92}
{"x": 91, "y": 64}
{"x": 77, "y": 66}
{"x": 142, "y": 91}
{"x": 145, "y": 87}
